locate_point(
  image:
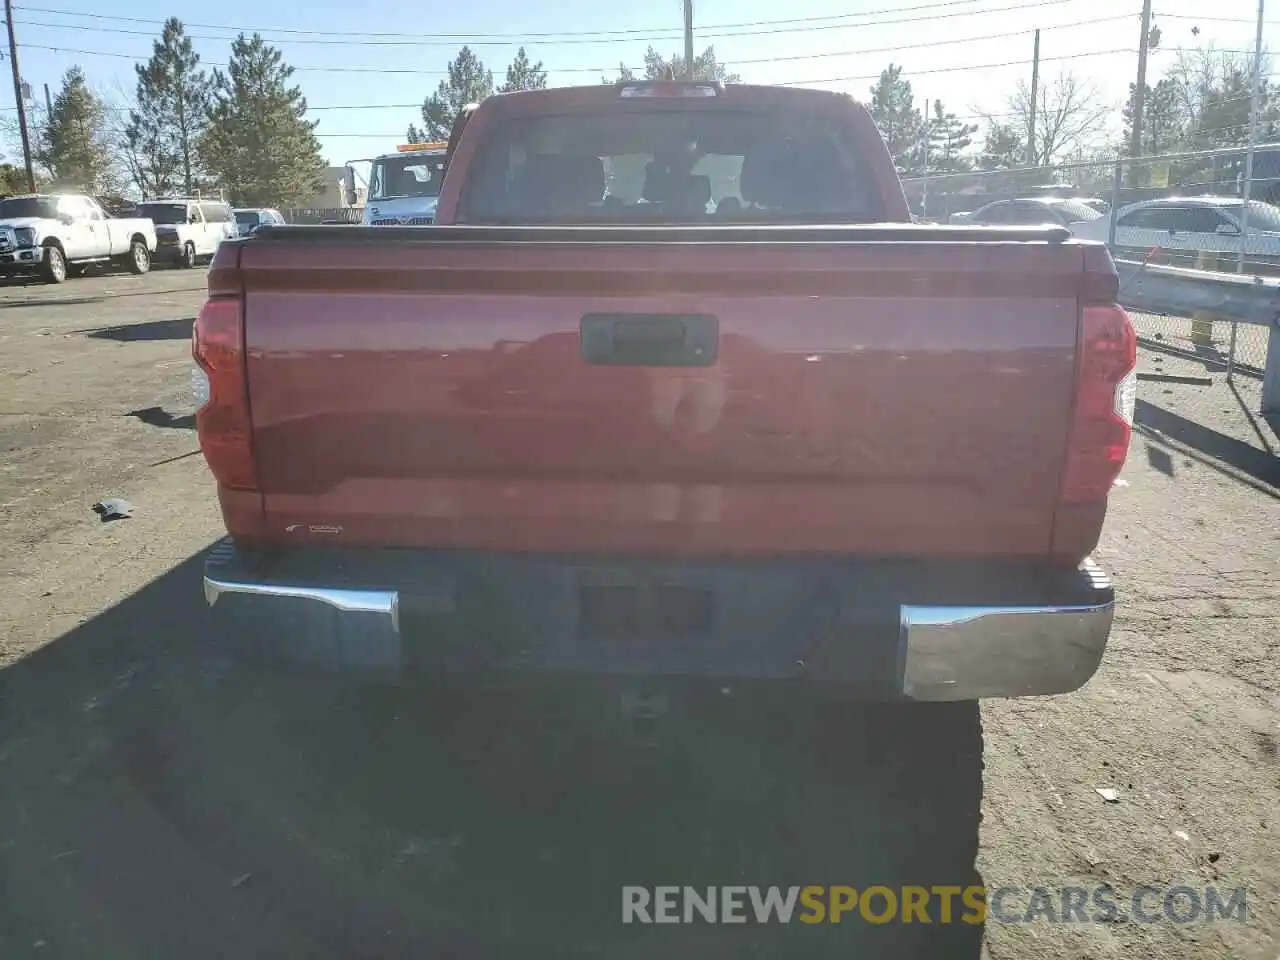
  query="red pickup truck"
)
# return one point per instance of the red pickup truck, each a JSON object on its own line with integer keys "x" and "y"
{"x": 672, "y": 388}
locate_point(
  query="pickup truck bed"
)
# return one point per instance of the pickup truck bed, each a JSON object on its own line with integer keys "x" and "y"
{"x": 869, "y": 456}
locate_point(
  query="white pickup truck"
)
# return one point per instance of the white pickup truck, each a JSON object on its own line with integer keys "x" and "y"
{"x": 53, "y": 234}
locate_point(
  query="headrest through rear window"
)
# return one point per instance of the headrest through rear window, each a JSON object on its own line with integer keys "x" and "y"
{"x": 692, "y": 192}
{"x": 555, "y": 182}
{"x": 765, "y": 172}
{"x": 686, "y": 192}
{"x": 657, "y": 182}
{"x": 803, "y": 176}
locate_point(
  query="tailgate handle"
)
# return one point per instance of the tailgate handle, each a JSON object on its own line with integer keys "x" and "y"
{"x": 650, "y": 339}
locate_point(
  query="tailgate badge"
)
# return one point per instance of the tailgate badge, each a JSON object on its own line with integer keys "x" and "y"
{"x": 321, "y": 528}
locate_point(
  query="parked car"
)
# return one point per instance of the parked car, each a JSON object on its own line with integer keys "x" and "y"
{"x": 1193, "y": 231}
{"x": 723, "y": 415}
{"x": 55, "y": 234}
{"x": 248, "y": 219}
{"x": 187, "y": 230}
{"x": 1031, "y": 211}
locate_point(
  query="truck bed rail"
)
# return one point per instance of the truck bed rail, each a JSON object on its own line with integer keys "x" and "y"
{"x": 597, "y": 234}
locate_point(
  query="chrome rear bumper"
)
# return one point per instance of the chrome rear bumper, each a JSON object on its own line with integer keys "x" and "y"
{"x": 967, "y": 653}
{"x": 944, "y": 652}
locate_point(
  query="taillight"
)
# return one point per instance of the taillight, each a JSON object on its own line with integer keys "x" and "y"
{"x": 222, "y": 422}
{"x": 1106, "y": 383}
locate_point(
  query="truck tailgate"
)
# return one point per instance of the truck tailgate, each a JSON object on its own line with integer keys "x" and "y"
{"x": 865, "y": 397}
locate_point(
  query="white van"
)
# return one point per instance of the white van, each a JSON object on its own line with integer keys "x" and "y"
{"x": 188, "y": 231}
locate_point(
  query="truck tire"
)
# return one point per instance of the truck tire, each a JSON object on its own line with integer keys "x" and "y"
{"x": 139, "y": 257}
{"x": 54, "y": 269}
{"x": 188, "y": 256}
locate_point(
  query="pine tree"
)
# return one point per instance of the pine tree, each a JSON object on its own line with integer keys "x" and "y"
{"x": 894, "y": 111}
{"x": 658, "y": 67}
{"x": 949, "y": 138}
{"x": 171, "y": 112}
{"x": 75, "y": 144}
{"x": 705, "y": 67}
{"x": 523, "y": 75}
{"x": 1003, "y": 147}
{"x": 468, "y": 82}
{"x": 1163, "y": 124}
{"x": 259, "y": 144}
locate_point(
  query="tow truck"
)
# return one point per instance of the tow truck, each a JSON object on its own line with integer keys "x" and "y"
{"x": 403, "y": 186}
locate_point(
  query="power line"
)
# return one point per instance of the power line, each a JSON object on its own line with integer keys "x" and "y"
{"x": 936, "y": 43}
{"x": 406, "y": 71}
{"x": 1189, "y": 16}
{"x": 415, "y": 106}
{"x": 596, "y": 70}
{"x": 985, "y": 115}
{"x": 982, "y": 66}
{"x": 572, "y": 37}
{"x": 809, "y": 56}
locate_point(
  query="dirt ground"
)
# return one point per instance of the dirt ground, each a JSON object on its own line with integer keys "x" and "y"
{"x": 156, "y": 801}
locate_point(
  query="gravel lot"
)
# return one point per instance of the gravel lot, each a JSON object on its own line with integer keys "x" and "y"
{"x": 157, "y": 802}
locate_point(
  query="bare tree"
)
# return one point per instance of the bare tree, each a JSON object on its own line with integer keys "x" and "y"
{"x": 1070, "y": 116}
{"x": 119, "y": 181}
{"x": 11, "y": 137}
{"x": 1213, "y": 91}
{"x": 115, "y": 111}
{"x": 132, "y": 155}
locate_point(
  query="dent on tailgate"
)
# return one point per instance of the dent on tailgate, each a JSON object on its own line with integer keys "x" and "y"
{"x": 877, "y": 398}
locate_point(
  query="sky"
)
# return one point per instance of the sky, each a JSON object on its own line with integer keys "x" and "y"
{"x": 365, "y": 68}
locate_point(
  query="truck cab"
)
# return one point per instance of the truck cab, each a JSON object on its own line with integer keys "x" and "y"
{"x": 403, "y": 186}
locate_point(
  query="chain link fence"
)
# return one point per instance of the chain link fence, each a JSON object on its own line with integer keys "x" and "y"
{"x": 1237, "y": 349}
{"x": 1183, "y": 210}
{"x": 315, "y": 215}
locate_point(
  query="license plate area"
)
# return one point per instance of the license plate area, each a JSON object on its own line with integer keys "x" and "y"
{"x": 617, "y": 612}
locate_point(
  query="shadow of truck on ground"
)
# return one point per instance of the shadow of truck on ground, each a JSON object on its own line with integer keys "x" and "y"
{"x": 159, "y": 417}
{"x": 156, "y": 801}
{"x": 1259, "y": 465}
{"x": 176, "y": 329}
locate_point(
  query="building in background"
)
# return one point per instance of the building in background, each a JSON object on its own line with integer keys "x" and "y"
{"x": 331, "y": 196}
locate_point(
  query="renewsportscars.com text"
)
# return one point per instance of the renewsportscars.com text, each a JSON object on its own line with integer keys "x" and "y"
{"x": 933, "y": 904}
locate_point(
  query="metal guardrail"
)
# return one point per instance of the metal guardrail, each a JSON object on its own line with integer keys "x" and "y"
{"x": 1228, "y": 296}
{"x": 1192, "y": 293}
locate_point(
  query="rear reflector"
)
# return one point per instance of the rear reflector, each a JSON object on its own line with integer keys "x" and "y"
{"x": 1106, "y": 384}
{"x": 668, "y": 88}
{"x": 223, "y": 422}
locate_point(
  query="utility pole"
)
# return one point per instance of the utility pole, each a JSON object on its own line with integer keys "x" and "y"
{"x": 688, "y": 39}
{"x": 1140, "y": 93}
{"x": 924, "y": 161}
{"x": 17, "y": 97}
{"x": 48, "y": 104}
{"x": 1248, "y": 158}
{"x": 1035, "y": 94}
